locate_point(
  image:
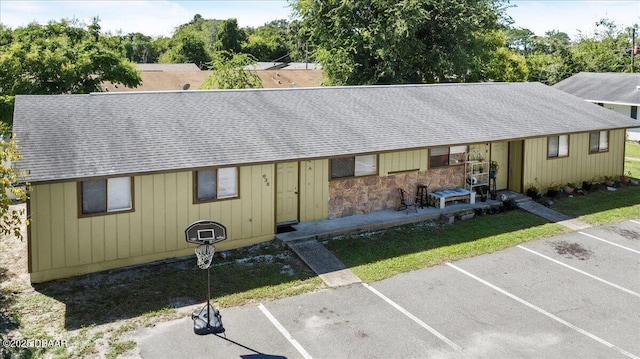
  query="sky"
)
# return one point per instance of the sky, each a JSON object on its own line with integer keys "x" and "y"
{"x": 160, "y": 17}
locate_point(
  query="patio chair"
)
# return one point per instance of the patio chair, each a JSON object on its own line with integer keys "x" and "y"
{"x": 406, "y": 202}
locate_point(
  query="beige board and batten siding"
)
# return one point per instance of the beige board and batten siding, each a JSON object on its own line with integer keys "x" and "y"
{"x": 579, "y": 166}
{"x": 62, "y": 244}
{"x": 403, "y": 161}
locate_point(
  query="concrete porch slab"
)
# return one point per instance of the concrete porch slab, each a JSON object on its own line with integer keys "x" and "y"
{"x": 329, "y": 228}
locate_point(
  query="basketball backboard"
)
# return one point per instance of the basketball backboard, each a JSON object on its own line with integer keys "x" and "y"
{"x": 205, "y": 232}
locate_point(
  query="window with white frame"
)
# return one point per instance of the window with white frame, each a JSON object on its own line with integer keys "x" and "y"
{"x": 218, "y": 183}
{"x": 558, "y": 146}
{"x": 106, "y": 195}
{"x": 447, "y": 156}
{"x": 598, "y": 141}
{"x": 354, "y": 166}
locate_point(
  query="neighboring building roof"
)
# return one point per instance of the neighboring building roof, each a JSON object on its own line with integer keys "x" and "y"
{"x": 167, "y": 67}
{"x": 172, "y": 77}
{"x": 302, "y": 66}
{"x": 290, "y": 78}
{"x": 104, "y": 134}
{"x": 163, "y": 81}
{"x": 615, "y": 88}
{"x": 265, "y": 66}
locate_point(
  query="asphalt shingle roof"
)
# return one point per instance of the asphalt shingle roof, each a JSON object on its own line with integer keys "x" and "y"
{"x": 620, "y": 88}
{"x": 79, "y": 136}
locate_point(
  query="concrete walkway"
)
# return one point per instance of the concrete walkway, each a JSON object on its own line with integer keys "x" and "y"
{"x": 553, "y": 216}
{"x": 304, "y": 240}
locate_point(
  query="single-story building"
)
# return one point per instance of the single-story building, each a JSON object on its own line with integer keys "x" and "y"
{"x": 619, "y": 92}
{"x": 117, "y": 177}
{"x": 172, "y": 77}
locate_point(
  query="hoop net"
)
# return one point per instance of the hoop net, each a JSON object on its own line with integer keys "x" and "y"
{"x": 205, "y": 253}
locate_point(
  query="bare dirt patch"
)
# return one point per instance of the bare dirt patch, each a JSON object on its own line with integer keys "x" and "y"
{"x": 572, "y": 250}
{"x": 94, "y": 313}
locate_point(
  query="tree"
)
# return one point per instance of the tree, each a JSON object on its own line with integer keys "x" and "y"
{"x": 506, "y": 65}
{"x": 551, "y": 58}
{"x": 406, "y": 41}
{"x": 269, "y": 42}
{"x": 227, "y": 72}
{"x": 230, "y": 37}
{"x": 11, "y": 182}
{"x": 519, "y": 40}
{"x": 187, "y": 48}
{"x": 607, "y": 50}
{"x": 140, "y": 48}
{"x": 58, "y": 58}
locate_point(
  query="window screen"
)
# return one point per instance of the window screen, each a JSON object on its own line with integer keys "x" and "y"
{"x": 343, "y": 167}
{"x": 206, "y": 184}
{"x": 94, "y": 196}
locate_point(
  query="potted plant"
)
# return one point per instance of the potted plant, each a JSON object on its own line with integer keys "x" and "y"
{"x": 569, "y": 188}
{"x": 493, "y": 169}
{"x": 608, "y": 181}
{"x": 494, "y": 195}
{"x": 532, "y": 191}
{"x": 552, "y": 190}
{"x": 482, "y": 191}
{"x": 624, "y": 178}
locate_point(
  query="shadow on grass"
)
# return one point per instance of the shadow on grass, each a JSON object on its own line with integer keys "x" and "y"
{"x": 8, "y": 320}
{"x": 106, "y": 297}
{"x": 423, "y": 237}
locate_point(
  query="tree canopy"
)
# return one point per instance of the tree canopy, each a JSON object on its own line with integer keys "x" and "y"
{"x": 406, "y": 41}
{"x": 227, "y": 72}
{"x": 12, "y": 187}
{"x": 58, "y": 58}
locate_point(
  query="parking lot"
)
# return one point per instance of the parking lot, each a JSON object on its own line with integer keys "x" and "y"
{"x": 570, "y": 296}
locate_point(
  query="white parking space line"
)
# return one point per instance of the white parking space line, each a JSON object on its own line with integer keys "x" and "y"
{"x": 636, "y": 222}
{"x": 544, "y": 312}
{"x": 417, "y": 320}
{"x": 606, "y": 241}
{"x": 284, "y": 331}
{"x": 582, "y": 272}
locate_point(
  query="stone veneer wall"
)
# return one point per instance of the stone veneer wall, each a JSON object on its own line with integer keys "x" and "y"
{"x": 361, "y": 195}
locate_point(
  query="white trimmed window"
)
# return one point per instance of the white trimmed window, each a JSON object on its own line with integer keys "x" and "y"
{"x": 558, "y": 146}
{"x": 218, "y": 183}
{"x": 354, "y": 166}
{"x": 106, "y": 195}
{"x": 447, "y": 156}
{"x": 598, "y": 141}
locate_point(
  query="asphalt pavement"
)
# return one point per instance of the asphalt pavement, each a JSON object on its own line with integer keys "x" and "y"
{"x": 571, "y": 296}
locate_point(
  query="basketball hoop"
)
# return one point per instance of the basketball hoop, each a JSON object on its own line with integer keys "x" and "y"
{"x": 205, "y": 253}
{"x": 205, "y": 233}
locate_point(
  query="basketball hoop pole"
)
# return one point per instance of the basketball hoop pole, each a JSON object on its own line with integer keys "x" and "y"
{"x": 208, "y": 298}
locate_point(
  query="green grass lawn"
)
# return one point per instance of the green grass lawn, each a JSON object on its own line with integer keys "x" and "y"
{"x": 632, "y": 149}
{"x": 386, "y": 253}
{"x": 632, "y": 168}
{"x": 602, "y": 206}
